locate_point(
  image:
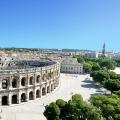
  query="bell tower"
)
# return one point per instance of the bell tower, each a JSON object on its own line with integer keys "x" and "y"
{"x": 103, "y": 50}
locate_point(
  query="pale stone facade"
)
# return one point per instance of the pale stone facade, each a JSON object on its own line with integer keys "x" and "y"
{"x": 91, "y": 55}
{"x": 28, "y": 83}
{"x": 70, "y": 65}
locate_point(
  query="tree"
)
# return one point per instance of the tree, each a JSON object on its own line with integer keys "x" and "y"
{"x": 80, "y": 59}
{"x": 108, "y": 63}
{"x": 100, "y": 75}
{"x": 112, "y": 85}
{"x": 90, "y": 112}
{"x": 61, "y": 103}
{"x": 108, "y": 105}
{"x": 117, "y": 61}
{"x": 95, "y": 67}
{"x": 87, "y": 67}
{"x": 117, "y": 93}
{"x": 77, "y": 98}
{"x": 52, "y": 112}
{"x": 113, "y": 75}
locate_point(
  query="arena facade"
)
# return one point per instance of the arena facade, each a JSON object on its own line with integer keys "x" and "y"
{"x": 23, "y": 81}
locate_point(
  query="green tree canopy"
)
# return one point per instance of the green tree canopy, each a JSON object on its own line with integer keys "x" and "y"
{"x": 74, "y": 109}
{"x": 109, "y": 106}
{"x": 95, "y": 67}
{"x": 112, "y": 85}
{"x": 87, "y": 67}
{"x": 52, "y": 112}
{"x": 100, "y": 75}
{"x": 108, "y": 63}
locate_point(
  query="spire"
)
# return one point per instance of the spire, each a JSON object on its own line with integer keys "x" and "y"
{"x": 103, "y": 50}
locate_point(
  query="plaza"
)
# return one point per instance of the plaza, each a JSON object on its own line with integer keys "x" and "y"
{"x": 69, "y": 84}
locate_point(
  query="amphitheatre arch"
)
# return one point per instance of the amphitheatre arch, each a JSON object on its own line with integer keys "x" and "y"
{"x": 38, "y": 93}
{"x": 14, "y": 99}
{"x": 38, "y": 79}
{"x": 31, "y": 95}
{"x": 14, "y": 83}
{"x": 48, "y": 89}
{"x": 31, "y": 80}
{"x": 23, "y": 97}
{"x": 23, "y": 81}
{"x": 43, "y": 91}
{"x": 4, "y": 100}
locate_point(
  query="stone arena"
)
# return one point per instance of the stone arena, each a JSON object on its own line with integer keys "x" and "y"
{"x": 23, "y": 81}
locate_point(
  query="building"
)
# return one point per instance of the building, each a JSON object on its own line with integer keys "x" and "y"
{"x": 71, "y": 65}
{"x": 91, "y": 55}
{"x": 23, "y": 81}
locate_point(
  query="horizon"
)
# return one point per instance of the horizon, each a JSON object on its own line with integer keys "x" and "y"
{"x": 59, "y": 49}
{"x": 60, "y": 24}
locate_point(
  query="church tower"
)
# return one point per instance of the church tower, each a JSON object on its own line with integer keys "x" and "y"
{"x": 103, "y": 50}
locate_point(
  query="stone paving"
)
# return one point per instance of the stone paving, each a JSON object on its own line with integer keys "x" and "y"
{"x": 69, "y": 85}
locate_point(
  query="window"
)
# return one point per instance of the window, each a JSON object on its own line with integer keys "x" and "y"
{"x": 4, "y": 84}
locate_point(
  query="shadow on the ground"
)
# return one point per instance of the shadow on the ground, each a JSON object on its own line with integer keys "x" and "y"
{"x": 90, "y": 85}
{"x": 97, "y": 94}
{"x": 88, "y": 81}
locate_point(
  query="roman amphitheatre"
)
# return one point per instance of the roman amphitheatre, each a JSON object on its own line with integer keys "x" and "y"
{"x": 23, "y": 81}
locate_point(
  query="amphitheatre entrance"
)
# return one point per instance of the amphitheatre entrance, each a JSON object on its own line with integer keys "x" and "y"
{"x": 43, "y": 91}
{"x": 37, "y": 93}
{"x": 23, "y": 97}
{"x": 48, "y": 89}
{"x": 31, "y": 95}
{"x": 4, "y": 100}
{"x": 14, "y": 99}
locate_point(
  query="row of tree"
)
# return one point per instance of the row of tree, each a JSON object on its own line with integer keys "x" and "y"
{"x": 90, "y": 65}
{"x": 99, "y": 69}
{"x": 108, "y": 79}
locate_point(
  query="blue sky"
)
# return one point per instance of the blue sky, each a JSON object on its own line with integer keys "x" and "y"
{"x": 81, "y": 24}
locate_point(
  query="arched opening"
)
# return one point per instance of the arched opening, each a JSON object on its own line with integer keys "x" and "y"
{"x": 38, "y": 79}
{"x": 4, "y": 100}
{"x": 48, "y": 89}
{"x": 14, "y": 83}
{"x": 52, "y": 87}
{"x": 37, "y": 93}
{"x": 49, "y": 76}
{"x": 23, "y": 81}
{"x": 31, "y": 81}
{"x": 23, "y": 97}
{"x": 14, "y": 99}
{"x": 43, "y": 91}
{"x": 4, "y": 84}
{"x": 31, "y": 95}
{"x": 43, "y": 77}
